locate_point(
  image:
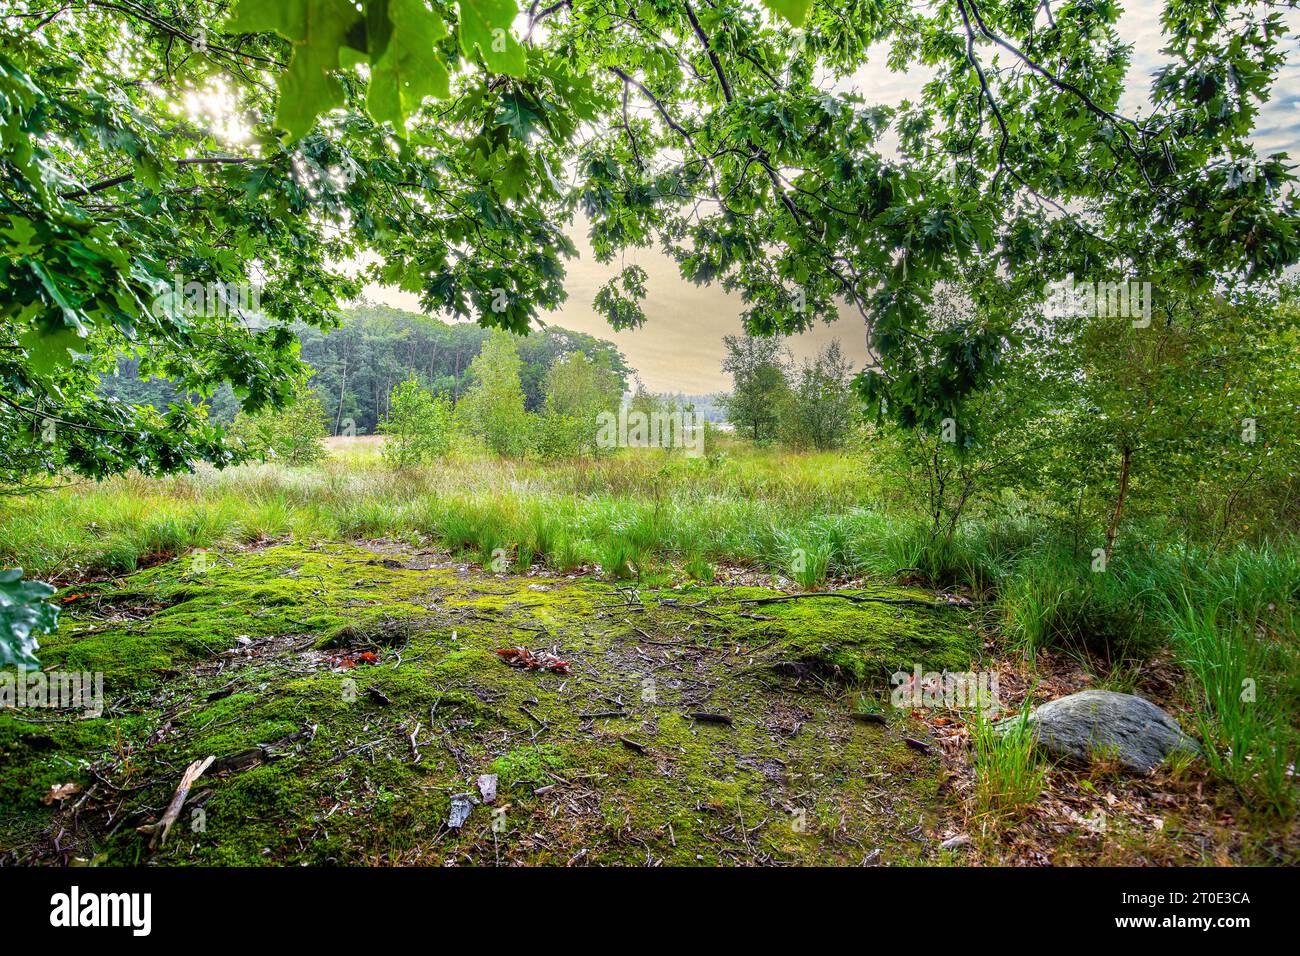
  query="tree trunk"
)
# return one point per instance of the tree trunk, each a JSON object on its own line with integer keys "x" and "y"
{"x": 343, "y": 384}
{"x": 966, "y": 490}
{"x": 1126, "y": 458}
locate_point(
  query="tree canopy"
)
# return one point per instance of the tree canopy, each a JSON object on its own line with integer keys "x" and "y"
{"x": 161, "y": 160}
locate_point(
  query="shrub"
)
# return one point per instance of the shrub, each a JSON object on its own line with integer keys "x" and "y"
{"x": 494, "y": 407}
{"x": 419, "y": 426}
{"x": 561, "y": 436}
{"x": 821, "y": 408}
{"x": 293, "y": 435}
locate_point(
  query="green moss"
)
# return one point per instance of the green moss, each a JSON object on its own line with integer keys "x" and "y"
{"x": 605, "y": 760}
{"x": 526, "y": 765}
{"x": 36, "y": 756}
{"x": 854, "y": 641}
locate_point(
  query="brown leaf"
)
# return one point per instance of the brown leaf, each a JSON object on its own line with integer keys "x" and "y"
{"x": 61, "y": 791}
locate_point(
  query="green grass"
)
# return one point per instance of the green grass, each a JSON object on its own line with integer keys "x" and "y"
{"x": 1232, "y": 626}
{"x": 620, "y": 559}
{"x": 1008, "y": 774}
{"x": 744, "y": 508}
{"x": 809, "y": 565}
{"x": 1054, "y": 599}
{"x": 699, "y": 568}
{"x": 1229, "y": 618}
{"x": 1226, "y": 615}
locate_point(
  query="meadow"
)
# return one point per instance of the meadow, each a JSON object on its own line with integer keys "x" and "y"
{"x": 1210, "y": 632}
{"x": 743, "y": 433}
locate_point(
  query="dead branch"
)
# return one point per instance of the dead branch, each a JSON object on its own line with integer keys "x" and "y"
{"x": 158, "y": 831}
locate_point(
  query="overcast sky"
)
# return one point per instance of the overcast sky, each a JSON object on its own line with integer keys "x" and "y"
{"x": 680, "y": 347}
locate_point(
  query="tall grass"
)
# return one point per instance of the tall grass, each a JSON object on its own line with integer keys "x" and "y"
{"x": 743, "y": 508}
{"x": 1055, "y": 599}
{"x": 1231, "y": 620}
{"x": 1008, "y": 774}
{"x": 1229, "y": 616}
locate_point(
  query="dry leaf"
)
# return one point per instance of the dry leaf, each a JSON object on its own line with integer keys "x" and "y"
{"x": 61, "y": 791}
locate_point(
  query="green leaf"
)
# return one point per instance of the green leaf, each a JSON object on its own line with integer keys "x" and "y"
{"x": 409, "y": 68}
{"x": 794, "y": 11}
{"x": 512, "y": 178}
{"x": 49, "y": 351}
{"x": 21, "y": 235}
{"x": 519, "y": 115}
{"x": 486, "y": 24}
{"x": 23, "y": 614}
{"x": 317, "y": 29}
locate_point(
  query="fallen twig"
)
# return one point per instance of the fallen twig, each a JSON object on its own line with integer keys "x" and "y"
{"x": 743, "y": 832}
{"x": 540, "y": 723}
{"x": 415, "y": 751}
{"x": 158, "y": 831}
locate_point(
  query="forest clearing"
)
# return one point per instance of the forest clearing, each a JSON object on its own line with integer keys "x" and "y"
{"x": 802, "y": 446}
{"x": 332, "y": 634}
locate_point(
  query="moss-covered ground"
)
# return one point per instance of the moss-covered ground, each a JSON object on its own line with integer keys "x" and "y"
{"x": 349, "y": 692}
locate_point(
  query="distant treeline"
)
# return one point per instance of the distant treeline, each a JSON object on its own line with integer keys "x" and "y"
{"x": 707, "y": 408}
{"x": 376, "y": 347}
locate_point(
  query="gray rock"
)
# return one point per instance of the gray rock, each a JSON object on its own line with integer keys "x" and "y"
{"x": 461, "y": 805}
{"x": 1136, "y": 731}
